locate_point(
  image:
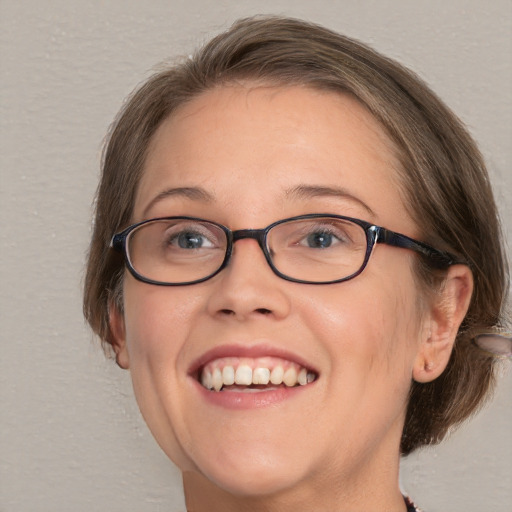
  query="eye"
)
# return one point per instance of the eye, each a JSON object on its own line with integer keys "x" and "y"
{"x": 190, "y": 240}
{"x": 320, "y": 240}
{"x": 323, "y": 237}
{"x": 193, "y": 236}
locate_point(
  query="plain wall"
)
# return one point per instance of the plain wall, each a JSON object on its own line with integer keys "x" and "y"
{"x": 71, "y": 436}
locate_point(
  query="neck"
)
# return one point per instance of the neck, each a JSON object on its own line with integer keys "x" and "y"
{"x": 373, "y": 492}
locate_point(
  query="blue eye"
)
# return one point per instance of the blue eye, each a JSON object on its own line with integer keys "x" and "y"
{"x": 190, "y": 240}
{"x": 320, "y": 240}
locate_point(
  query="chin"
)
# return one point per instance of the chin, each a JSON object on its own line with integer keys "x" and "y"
{"x": 246, "y": 475}
{"x": 254, "y": 483}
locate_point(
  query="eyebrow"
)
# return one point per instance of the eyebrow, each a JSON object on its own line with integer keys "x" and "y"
{"x": 312, "y": 191}
{"x": 193, "y": 193}
{"x": 298, "y": 192}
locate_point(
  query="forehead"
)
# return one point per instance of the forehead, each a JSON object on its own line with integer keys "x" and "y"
{"x": 256, "y": 143}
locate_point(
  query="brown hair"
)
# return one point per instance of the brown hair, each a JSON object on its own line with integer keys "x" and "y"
{"x": 445, "y": 184}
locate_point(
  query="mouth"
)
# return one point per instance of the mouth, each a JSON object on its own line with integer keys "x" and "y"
{"x": 253, "y": 375}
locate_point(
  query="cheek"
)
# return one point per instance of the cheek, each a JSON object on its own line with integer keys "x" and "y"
{"x": 157, "y": 319}
{"x": 366, "y": 333}
{"x": 158, "y": 322}
{"x": 372, "y": 322}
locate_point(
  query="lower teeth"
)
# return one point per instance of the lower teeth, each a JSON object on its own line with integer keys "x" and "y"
{"x": 249, "y": 389}
{"x": 254, "y": 388}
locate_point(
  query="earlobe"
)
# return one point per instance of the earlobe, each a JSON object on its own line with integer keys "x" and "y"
{"x": 446, "y": 312}
{"x": 118, "y": 336}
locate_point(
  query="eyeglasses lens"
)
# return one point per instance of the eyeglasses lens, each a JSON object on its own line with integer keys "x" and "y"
{"x": 176, "y": 251}
{"x": 317, "y": 250}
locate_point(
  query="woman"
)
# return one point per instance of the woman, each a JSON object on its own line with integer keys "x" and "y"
{"x": 295, "y": 244}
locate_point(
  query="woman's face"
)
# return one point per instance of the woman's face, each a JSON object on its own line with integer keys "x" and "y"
{"x": 245, "y": 157}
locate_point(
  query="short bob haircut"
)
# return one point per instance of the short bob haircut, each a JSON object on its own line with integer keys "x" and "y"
{"x": 442, "y": 179}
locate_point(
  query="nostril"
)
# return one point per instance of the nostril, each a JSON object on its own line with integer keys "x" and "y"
{"x": 229, "y": 312}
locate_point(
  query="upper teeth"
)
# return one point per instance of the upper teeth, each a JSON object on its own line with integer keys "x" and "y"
{"x": 244, "y": 372}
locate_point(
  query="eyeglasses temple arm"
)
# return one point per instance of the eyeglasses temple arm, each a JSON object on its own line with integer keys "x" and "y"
{"x": 440, "y": 259}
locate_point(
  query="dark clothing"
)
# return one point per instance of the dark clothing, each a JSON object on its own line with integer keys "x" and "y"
{"x": 410, "y": 505}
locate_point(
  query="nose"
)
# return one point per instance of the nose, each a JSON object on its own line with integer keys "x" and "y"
{"x": 247, "y": 287}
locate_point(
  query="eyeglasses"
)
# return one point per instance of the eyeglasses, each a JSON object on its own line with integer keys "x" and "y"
{"x": 311, "y": 249}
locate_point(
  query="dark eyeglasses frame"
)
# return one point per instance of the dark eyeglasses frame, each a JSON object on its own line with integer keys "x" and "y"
{"x": 374, "y": 235}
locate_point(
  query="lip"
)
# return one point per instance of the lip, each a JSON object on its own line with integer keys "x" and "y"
{"x": 245, "y": 400}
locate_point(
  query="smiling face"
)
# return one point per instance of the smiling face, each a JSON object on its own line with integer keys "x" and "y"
{"x": 246, "y": 157}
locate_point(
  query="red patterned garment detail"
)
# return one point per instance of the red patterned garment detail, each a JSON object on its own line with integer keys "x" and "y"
{"x": 410, "y": 505}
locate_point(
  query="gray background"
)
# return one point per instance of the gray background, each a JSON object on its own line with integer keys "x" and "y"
{"x": 71, "y": 436}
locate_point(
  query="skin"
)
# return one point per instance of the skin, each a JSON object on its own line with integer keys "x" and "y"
{"x": 336, "y": 443}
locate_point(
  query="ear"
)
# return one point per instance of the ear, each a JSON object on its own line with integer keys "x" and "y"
{"x": 118, "y": 336}
{"x": 442, "y": 321}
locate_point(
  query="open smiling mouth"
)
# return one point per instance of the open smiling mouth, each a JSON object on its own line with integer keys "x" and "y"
{"x": 253, "y": 375}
